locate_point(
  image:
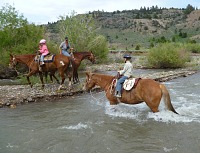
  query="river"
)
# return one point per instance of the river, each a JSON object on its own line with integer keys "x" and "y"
{"x": 87, "y": 124}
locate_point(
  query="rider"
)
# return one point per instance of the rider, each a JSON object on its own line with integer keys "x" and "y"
{"x": 64, "y": 47}
{"x": 126, "y": 73}
{"x": 43, "y": 50}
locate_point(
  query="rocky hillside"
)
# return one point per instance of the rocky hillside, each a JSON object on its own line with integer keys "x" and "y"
{"x": 129, "y": 29}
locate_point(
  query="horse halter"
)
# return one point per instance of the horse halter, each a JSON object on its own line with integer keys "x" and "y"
{"x": 13, "y": 62}
{"x": 91, "y": 57}
{"x": 89, "y": 82}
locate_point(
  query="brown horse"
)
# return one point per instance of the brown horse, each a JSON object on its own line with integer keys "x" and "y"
{"x": 147, "y": 90}
{"x": 78, "y": 58}
{"x": 60, "y": 63}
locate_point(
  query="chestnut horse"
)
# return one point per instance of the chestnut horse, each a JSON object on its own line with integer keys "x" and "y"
{"x": 78, "y": 58}
{"x": 147, "y": 90}
{"x": 60, "y": 63}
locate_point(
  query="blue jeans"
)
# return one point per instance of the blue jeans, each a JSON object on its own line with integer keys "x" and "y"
{"x": 42, "y": 58}
{"x": 120, "y": 83}
{"x": 64, "y": 52}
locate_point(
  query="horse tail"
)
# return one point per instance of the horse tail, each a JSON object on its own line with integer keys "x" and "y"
{"x": 167, "y": 99}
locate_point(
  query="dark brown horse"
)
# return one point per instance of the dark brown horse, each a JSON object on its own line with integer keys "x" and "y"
{"x": 147, "y": 90}
{"x": 78, "y": 58}
{"x": 60, "y": 63}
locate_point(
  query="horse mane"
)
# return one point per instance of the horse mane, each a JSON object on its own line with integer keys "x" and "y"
{"x": 82, "y": 53}
{"x": 104, "y": 76}
{"x": 26, "y": 56}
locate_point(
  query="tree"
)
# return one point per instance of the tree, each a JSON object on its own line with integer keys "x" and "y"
{"x": 80, "y": 30}
{"x": 10, "y": 18}
{"x": 189, "y": 9}
{"x": 16, "y": 34}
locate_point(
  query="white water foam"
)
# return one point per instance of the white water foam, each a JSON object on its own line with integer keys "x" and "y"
{"x": 185, "y": 101}
{"x": 141, "y": 112}
{"x": 75, "y": 127}
{"x": 12, "y": 146}
{"x": 169, "y": 149}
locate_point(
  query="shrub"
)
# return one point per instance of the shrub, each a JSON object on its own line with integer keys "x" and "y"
{"x": 17, "y": 36}
{"x": 192, "y": 47}
{"x": 137, "y": 47}
{"x": 99, "y": 47}
{"x": 167, "y": 55}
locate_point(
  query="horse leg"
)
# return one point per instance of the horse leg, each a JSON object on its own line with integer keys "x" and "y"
{"x": 53, "y": 75}
{"x": 70, "y": 83}
{"x": 69, "y": 75}
{"x": 41, "y": 79}
{"x": 45, "y": 75}
{"x": 28, "y": 77}
{"x": 154, "y": 103}
{"x": 63, "y": 79}
{"x": 29, "y": 82}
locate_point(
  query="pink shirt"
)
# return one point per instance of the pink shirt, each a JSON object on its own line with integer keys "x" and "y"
{"x": 44, "y": 50}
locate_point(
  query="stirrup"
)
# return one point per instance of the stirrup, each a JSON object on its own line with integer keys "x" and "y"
{"x": 42, "y": 64}
{"x": 117, "y": 94}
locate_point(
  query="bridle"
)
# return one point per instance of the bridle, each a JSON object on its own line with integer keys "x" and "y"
{"x": 13, "y": 64}
{"x": 110, "y": 87}
{"x": 91, "y": 57}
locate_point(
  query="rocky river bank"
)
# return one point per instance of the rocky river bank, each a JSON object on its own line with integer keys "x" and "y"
{"x": 13, "y": 95}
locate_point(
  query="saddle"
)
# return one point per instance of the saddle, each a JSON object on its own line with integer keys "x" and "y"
{"x": 47, "y": 59}
{"x": 130, "y": 83}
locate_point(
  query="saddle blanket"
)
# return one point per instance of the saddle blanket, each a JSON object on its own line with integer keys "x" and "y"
{"x": 130, "y": 83}
{"x": 47, "y": 59}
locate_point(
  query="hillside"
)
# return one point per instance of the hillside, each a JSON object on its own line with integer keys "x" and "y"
{"x": 148, "y": 26}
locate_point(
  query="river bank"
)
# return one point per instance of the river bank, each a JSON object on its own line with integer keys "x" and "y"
{"x": 13, "y": 95}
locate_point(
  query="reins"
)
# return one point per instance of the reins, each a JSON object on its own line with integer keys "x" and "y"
{"x": 110, "y": 90}
{"x": 112, "y": 86}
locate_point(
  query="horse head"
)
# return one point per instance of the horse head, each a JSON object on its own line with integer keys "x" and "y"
{"x": 91, "y": 58}
{"x": 89, "y": 83}
{"x": 13, "y": 61}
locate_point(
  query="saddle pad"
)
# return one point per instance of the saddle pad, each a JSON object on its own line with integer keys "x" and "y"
{"x": 129, "y": 83}
{"x": 48, "y": 58}
{"x": 37, "y": 58}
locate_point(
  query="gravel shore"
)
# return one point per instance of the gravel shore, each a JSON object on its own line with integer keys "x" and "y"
{"x": 13, "y": 95}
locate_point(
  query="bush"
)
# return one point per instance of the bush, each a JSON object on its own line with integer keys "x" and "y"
{"x": 99, "y": 47}
{"x": 168, "y": 55}
{"x": 137, "y": 47}
{"x": 17, "y": 36}
{"x": 194, "y": 48}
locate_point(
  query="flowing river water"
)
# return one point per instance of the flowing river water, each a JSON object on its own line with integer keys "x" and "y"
{"x": 87, "y": 124}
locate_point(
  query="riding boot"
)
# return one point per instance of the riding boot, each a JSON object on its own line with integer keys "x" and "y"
{"x": 42, "y": 63}
{"x": 118, "y": 94}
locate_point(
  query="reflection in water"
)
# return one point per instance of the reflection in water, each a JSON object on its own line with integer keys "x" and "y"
{"x": 88, "y": 124}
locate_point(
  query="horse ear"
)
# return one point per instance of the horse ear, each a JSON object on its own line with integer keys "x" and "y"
{"x": 88, "y": 74}
{"x": 11, "y": 55}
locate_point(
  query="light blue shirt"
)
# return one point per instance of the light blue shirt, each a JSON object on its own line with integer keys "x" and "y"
{"x": 64, "y": 47}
